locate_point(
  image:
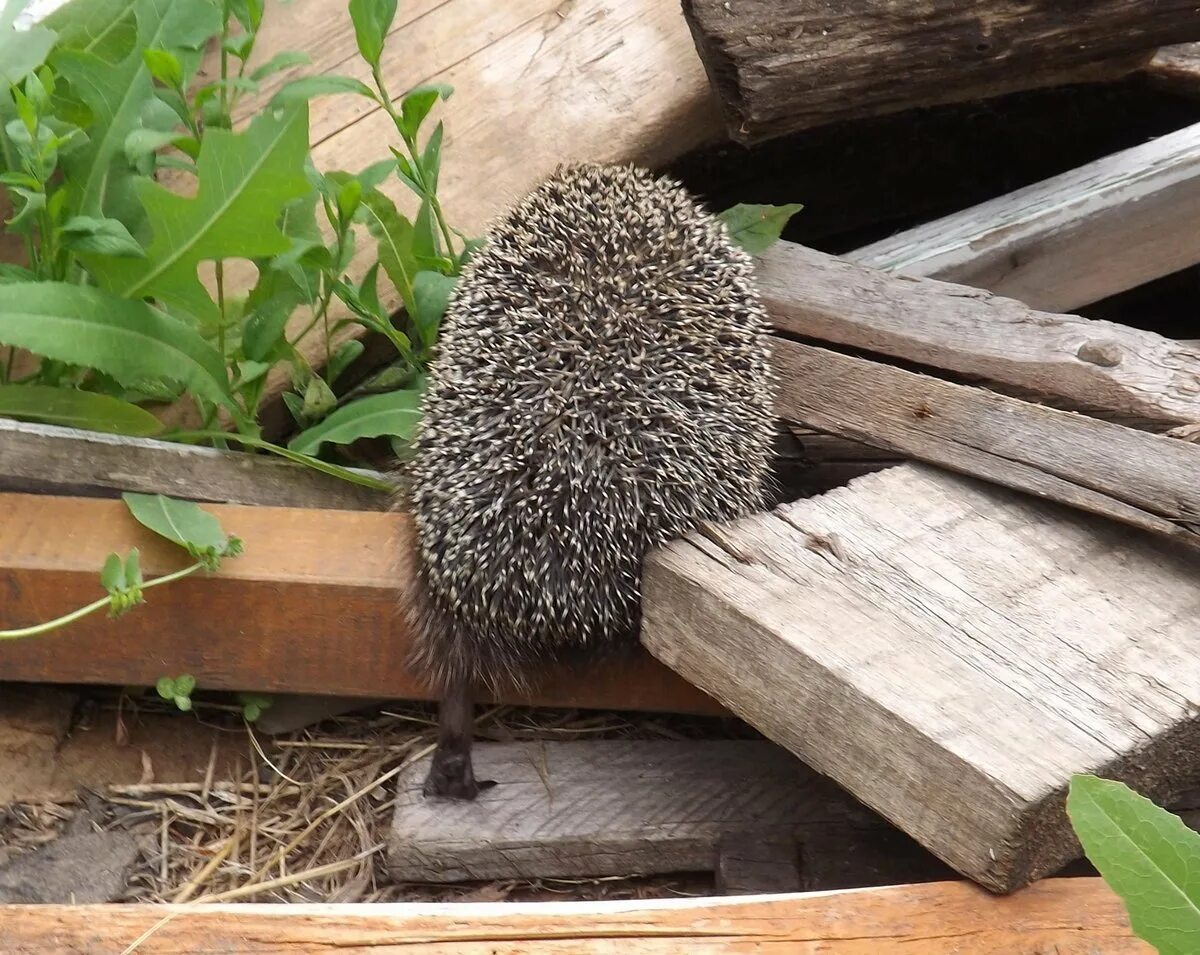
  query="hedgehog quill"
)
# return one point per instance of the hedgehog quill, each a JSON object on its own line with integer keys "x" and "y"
{"x": 602, "y": 386}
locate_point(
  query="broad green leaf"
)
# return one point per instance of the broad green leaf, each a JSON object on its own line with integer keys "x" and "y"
{"x": 116, "y": 93}
{"x": 182, "y": 522}
{"x": 164, "y": 66}
{"x": 418, "y": 102}
{"x": 142, "y": 142}
{"x": 10, "y": 273}
{"x": 756, "y": 227}
{"x": 431, "y": 294}
{"x": 426, "y": 245}
{"x": 76, "y": 409}
{"x": 278, "y": 63}
{"x": 128, "y": 340}
{"x": 1147, "y": 855}
{"x": 99, "y": 236}
{"x": 305, "y": 88}
{"x": 245, "y": 180}
{"x": 372, "y": 19}
{"x": 21, "y": 51}
{"x": 395, "y": 413}
{"x": 394, "y": 234}
{"x": 105, "y": 28}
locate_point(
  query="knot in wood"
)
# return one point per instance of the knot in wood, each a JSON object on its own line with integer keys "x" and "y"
{"x": 1106, "y": 354}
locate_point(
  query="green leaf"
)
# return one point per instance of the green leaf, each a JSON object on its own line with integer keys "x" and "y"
{"x": 165, "y": 687}
{"x": 99, "y": 236}
{"x": 10, "y": 273}
{"x": 116, "y": 93}
{"x": 418, "y": 102}
{"x": 185, "y": 684}
{"x": 305, "y": 88}
{"x": 372, "y": 19}
{"x": 346, "y": 353}
{"x": 395, "y": 413}
{"x": 142, "y": 142}
{"x": 394, "y": 234}
{"x": 21, "y": 51}
{"x": 1147, "y": 855}
{"x": 112, "y": 577}
{"x": 105, "y": 28}
{"x": 245, "y": 180}
{"x": 31, "y": 207}
{"x": 133, "y": 568}
{"x": 181, "y": 522}
{"x": 431, "y": 158}
{"x": 183, "y": 703}
{"x": 278, "y": 63}
{"x": 755, "y": 227}
{"x": 431, "y": 295}
{"x": 164, "y": 66}
{"x": 319, "y": 399}
{"x": 76, "y": 409}
{"x": 349, "y": 196}
{"x": 130, "y": 341}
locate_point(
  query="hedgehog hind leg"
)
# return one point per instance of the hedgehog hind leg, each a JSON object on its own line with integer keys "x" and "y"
{"x": 451, "y": 772}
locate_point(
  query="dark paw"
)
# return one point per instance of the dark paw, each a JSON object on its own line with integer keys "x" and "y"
{"x": 452, "y": 777}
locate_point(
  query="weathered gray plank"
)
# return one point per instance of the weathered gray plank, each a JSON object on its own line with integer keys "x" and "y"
{"x": 1074, "y": 239}
{"x": 784, "y": 65}
{"x": 608, "y": 807}
{"x": 1145, "y": 480}
{"x": 758, "y": 861}
{"x": 949, "y": 652}
{"x": 35, "y": 457}
{"x": 1124, "y": 373}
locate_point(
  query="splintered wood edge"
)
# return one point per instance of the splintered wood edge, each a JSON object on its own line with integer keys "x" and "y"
{"x": 1071, "y": 916}
{"x": 309, "y": 607}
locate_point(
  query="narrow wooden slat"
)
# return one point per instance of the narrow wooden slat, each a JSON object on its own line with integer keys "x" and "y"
{"x": 310, "y": 607}
{"x": 1071, "y": 240}
{"x": 947, "y": 651}
{"x": 1065, "y": 916}
{"x": 69, "y": 461}
{"x": 1124, "y": 373}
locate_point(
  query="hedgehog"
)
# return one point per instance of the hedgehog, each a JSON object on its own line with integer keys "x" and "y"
{"x": 601, "y": 386}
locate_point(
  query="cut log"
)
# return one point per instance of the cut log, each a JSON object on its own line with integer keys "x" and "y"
{"x": 1133, "y": 376}
{"x": 1066, "y": 916}
{"x": 42, "y": 458}
{"x": 779, "y": 66}
{"x": 310, "y": 607}
{"x": 615, "y": 807}
{"x": 1144, "y": 480}
{"x": 1109, "y": 226}
{"x": 948, "y": 652}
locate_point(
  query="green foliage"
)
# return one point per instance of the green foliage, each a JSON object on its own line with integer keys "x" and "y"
{"x": 253, "y": 705}
{"x": 76, "y": 409}
{"x": 21, "y": 52}
{"x": 756, "y": 227}
{"x": 394, "y": 413}
{"x": 177, "y": 689}
{"x": 185, "y": 524}
{"x": 1147, "y": 855}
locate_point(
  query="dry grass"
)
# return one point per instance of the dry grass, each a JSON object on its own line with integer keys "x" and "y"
{"x": 305, "y": 816}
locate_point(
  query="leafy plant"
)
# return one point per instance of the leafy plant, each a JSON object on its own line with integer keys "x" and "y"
{"x": 757, "y": 227}
{"x": 102, "y": 100}
{"x": 1147, "y": 855}
{"x": 180, "y": 522}
{"x": 177, "y": 689}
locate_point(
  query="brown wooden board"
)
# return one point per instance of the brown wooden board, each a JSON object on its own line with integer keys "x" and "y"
{"x": 780, "y": 66}
{"x": 948, "y": 651}
{"x": 310, "y": 607}
{"x": 1064, "y": 916}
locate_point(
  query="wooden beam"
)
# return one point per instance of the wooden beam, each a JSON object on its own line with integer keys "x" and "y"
{"x": 43, "y": 458}
{"x": 947, "y": 651}
{"x": 586, "y": 809}
{"x": 779, "y": 67}
{"x": 1071, "y": 240}
{"x": 1067, "y": 916}
{"x": 1176, "y": 68}
{"x": 310, "y": 607}
{"x": 1121, "y": 372}
{"x": 1144, "y": 480}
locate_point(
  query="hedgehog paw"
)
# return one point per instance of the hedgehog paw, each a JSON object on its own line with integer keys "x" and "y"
{"x": 451, "y": 777}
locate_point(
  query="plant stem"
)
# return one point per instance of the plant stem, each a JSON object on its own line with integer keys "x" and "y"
{"x": 95, "y": 605}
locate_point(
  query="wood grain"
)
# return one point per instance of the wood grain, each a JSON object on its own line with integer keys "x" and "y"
{"x": 780, "y": 66}
{"x": 310, "y": 607}
{"x": 947, "y": 651}
{"x": 1124, "y": 373}
{"x": 1176, "y": 68}
{"x": 584, "y": 809}
{"x": 43, "y": 458}
{"x": 1066, "y": 916}
{"x": 1140, "y": 479}
{"x": 1071, "y": 240}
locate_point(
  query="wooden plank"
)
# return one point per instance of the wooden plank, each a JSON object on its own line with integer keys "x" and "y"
{"x": 947, "y": 651}
{"x": 1071, "y": 240}
{"x": 607, "y": 807}
{"x": 1176, "y": 68}
{"x": 780, "y": 67}
{"x": 1066, "y": 916}
{"x": 35, "y": 457}
{"x": 1134, "y": 376}
{"x": 310, "y": 607}
{"x": 756, "y": 861}
{"x": 1144, "y": 480}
